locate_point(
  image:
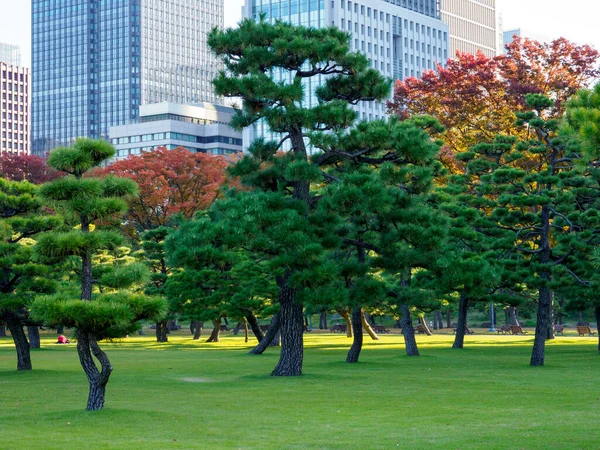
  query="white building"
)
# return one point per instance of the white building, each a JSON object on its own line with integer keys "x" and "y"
{"x": 401, "y": 38}
{"x": 473, "y": 26}
{"x": 201, "y": 128}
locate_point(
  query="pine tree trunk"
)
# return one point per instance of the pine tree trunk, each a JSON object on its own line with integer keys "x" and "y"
{"x": 2, "y": 330}
{"x": 597, "y": 313}
{"x": 544, "y": 319}
{"x": 162, "y": 331}
{"x": 463, "y": 306}
{"x": 245, "y": 331}
{"x": 292, "y": 347}
{"x": 21, "y": 344}
{"x": 357, "y": 325}
{"x": 236, "y": 329}
{"x": 253, "y": 322}
{"x": 512, "y": 315}
{"x": 33, "y": 332}
{"x": 408, "y": 331}
{"x": 448, "y": 319}
{"x": 60, "y": 329}
{"x": 323, "y": 321}
{"x": 214, "y": 336}
{"x": 346, "y": 318}
{"x": 366, "y": 326}
{"x": 86, "y": 346}
{"x": 435, "y": 321}
{"x": 424, "y": 324}
{"x": 580, "y": 317}
{"x": 198, "y": 329}
{"x": 276, "y": 341}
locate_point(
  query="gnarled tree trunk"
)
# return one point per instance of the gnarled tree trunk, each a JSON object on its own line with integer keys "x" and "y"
{"x": 253, "y": 322}
{"x": 597, "y": 313}
{"x": 367, "y": 326}
{"x": 2, "y": 330}
{"x": 196, "y": 329}
{"x": 448, "y": 319}
{"x": 544, "y": 320}
{"x": 269, "y": 338}
{"x": 408, "y": 331}
{"x": 21, "y": 344}
{"x": 86, "y": 346}
{"x": 423, "y": 323}
{"x": 346, "y": 318}
{"x": 292, "y": 324}
{"x": 357, "y": 325}
{"x": 33, "y": 332}
{"x": 461, "y": 327}
{"x": 323, "y": 321}
{"x": 216, "y": 332}
{"x": 162, "y": 331}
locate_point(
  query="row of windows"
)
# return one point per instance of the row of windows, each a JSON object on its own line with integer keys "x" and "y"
{"x": 14, "y": 146}
{"x": 124, "y": 152}
{"x": 176, "y": 137}
{"x": 9, "y": 75}
{"x": 15, "y": 126}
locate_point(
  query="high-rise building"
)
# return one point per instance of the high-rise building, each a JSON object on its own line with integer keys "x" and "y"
{"x": 14, "y": 109}
{"x": 95, "y": 62}
{"x": 401, "y": 38}
{"x": 10, "y": 54}
{"x": 473, "y": 26}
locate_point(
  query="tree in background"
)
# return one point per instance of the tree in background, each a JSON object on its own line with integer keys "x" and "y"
{"x": 24, "y": 167}
{"x": 169, "y": 182}
{"x": 22, "y": 218}
{"x": 95, "y": 315}
{"x": 270, "y": 66}
{"x": 476, "y": 97}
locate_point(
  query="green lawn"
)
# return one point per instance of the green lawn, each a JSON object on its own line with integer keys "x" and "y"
{"x": 188, "y": 394}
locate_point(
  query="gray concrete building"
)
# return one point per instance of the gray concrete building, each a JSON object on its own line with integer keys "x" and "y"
{"x": 473, "y": 26}
{"x": 201, "y": 128}
{"x": 401, "y": 38}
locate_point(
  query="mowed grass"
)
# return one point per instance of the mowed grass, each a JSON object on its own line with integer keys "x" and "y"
{"x": 190, "y": 394}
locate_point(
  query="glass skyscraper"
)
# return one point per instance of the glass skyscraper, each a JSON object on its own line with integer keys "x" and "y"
{"x": 401, "y": 38}
{"x": 94, "y": 62}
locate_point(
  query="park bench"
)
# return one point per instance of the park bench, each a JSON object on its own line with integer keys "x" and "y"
{"x": 338, "y": 329}
{"x": 467, "y": 330}
{"x": 585, "y": 330}
{"x": 516, "y": 329}
{"x": 421, "y": 329}
{"x": 380, "y": 329}
{"x": 504, "y": 329}
{"x": 559, "y": 329}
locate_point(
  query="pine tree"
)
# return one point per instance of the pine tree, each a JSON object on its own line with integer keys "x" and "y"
{"x": 22, "y": 276}
{"x": 96, "y": 316}
{"x": 271, "y": 66}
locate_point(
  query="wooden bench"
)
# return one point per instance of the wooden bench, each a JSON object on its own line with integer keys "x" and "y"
{"x": 559, "y": 329}
{"x": 420, "y": 329}
{"x": 504, "y": 329}
{"x": 338, "y": 329}
{"x": 585, "y": 330}
{"x": 516, "y": 329}
{"x": 467, "y": 330}
{"x": 380, "y": 329}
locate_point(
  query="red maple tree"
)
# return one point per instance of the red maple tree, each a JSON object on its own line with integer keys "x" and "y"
{"x": 170, "y": 182}
{"x": 475, "y": 97}
{"x": 21, "y": 166}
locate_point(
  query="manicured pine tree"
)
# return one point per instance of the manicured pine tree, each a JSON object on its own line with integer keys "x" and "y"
{"x": 212, "y": 278}
{"x": 380, "y": 173}
{"x": 534, "y": 187}
{"x": 22, "y": 276}
{"x": 96, "y": 316}
{"x": 271, "y": 67}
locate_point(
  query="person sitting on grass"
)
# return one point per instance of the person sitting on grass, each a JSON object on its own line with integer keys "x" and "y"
{"x": 63, "y": 340}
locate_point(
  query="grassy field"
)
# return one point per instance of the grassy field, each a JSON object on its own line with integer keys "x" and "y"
{"x": 188, "y": 394}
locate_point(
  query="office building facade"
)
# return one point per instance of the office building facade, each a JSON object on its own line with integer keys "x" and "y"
{"x": 14, "y": 110}
{"x": 401, "y": 38}
{"x": 10, "y": 54}
{"x": 95, "y": 63}
{"x": 473, "y": 26}
{"x": 201, "y": 128}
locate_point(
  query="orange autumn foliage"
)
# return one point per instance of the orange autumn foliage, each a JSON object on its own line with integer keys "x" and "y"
{"x": 170, "y": 182}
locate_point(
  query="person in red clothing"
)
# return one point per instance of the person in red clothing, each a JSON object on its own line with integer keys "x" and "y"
{"x": 63, "y": 340}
